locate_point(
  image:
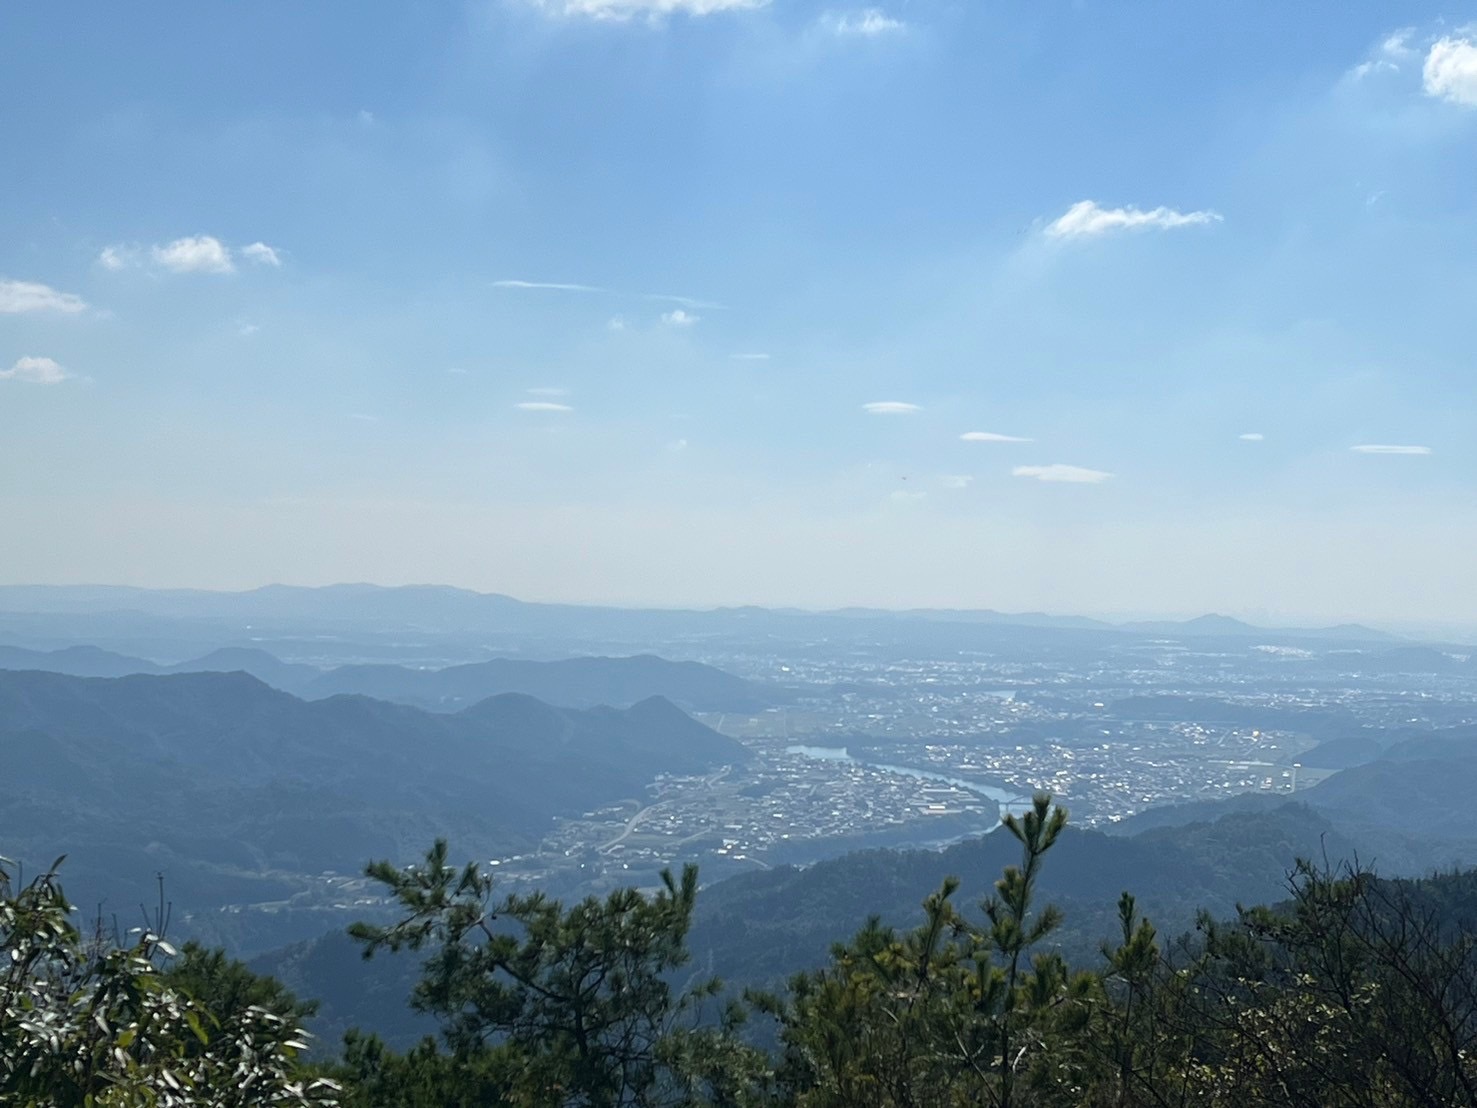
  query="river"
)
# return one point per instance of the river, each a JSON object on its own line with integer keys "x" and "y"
{"x": 1009, "y": 800}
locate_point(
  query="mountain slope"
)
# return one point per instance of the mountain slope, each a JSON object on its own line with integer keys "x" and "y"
{"x": 243, "y": 793}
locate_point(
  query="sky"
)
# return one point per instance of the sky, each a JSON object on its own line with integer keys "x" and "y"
{"x": 1110, "y": 308}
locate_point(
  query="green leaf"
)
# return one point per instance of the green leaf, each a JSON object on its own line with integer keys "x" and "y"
{"x": 194, "y": 1021}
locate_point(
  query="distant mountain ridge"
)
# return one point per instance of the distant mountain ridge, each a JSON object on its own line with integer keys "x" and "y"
{"x": 570, "y": 683}
{"x": 440, "y": 607}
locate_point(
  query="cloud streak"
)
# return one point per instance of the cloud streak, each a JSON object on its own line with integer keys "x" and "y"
{"x": 542, "y": 406}
{"x": 678, "y": 318}
{"x": 1087, "y": 219}
{"x": 867, "y": 23}
{"x": 550, "y": 286}
{"x": 1252, "y": 436}
{"x": 574, "y": 286}
{"x": 35, "y": 371}
{"x": 1064, "y": 474}
{"x": 23, "y": 297}
{"x": 990, "y": 436}
{"x": 622, "y": 11}
{"x": 1389, "y": 448}
{"x": 890, "y": 407}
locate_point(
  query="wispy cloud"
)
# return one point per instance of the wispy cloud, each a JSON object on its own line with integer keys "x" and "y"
{"x": 677, "y": 446}
{"x": 553, "y": 286}
{"x": 1388, "y": 448}
{"x": 364, "y": 417}
{"x": 955, "y": 481}
{"x": 195, "y": 254}
{"x": 35, "y": 371}
{"x": 621, "y": 11}
{"x": 750, "y": 357}
{"x": 685, "y": 301}
{"x": 262, "y": 254}
{"x": 1077, "y": 475}
{"x": 1252, "y": 436}
{"x": 890, "y": 407}
{"x": 191, "y": 254}
{"x": 542, "y": 406}
{"x": 21, "y": 297}
{"x": 1450, "y": 71}
{"x": 574, "y": 286}
{"x": 1086, "y": 218}
{"x": 1393, "y": 50}
{"x": 990, "y": 436}
{"x": 867, "y": 23}
{"x": 117, "y": 257}
{"x": 679, "y": 318}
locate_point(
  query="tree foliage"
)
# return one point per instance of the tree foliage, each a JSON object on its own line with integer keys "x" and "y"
{"x": 1354, "y": 992}
{"x": 89, "y": 1020}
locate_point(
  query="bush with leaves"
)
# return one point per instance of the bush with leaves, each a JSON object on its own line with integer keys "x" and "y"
{"x": 86, "y": 1021}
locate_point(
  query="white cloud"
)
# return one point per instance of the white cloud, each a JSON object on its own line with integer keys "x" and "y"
{"x": 906, "y": 496}
{"x": 1252, "y": 436}
{"x": 616, "y": 323}
{"x": 868, "y": 23}
{"x": 750, "y": 357}
{"x": 572, "y": 286}
{"x": 1386, "y": 448}
{"x": 677, "y": 446}
{"x": 547, "y": 390}
{"x": 990, "y": 436}
{"x": 261, "y": 253}
{"x": 1450, "y": 72}
{"x": 1057, "y": 472}
{"x": 1387, "y": 57}
{"x": 619, "y": 11}
{"x": 685, "y": 301}
{"x": 19, "y": 297}
{"x": 955, "y": 481}
{"x": 1086, "y": 218}
{"x": 195, "y": 254}
{"x": 117, "y": 257}
{"x": 542, "y": 406}
{"x": 678, "y": 318}
{"x": 246, "y": 330}
{"x": 554, "y": 286}
{"x": 35, "y": 371}
{"x": 890, "y": 407}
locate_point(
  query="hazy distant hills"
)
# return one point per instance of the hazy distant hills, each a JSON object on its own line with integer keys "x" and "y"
{"x": 572, "y": 683}
{"x": 237, "y": 790}
{"x": 1405, "y": 795}
{"x": 575, "y": 682}
{"x": 445, "y": 610}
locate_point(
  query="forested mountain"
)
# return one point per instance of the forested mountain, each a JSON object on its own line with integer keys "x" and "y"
{"x": 758, "y": 928}
{"x": 570, "y": 682}
{"x": 1385, "y": 799}
{"x": 241, "y": 791}
{"x": 574, "y": 682}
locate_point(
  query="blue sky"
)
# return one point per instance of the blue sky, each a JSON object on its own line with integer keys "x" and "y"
{"x": 691, "y": 301}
